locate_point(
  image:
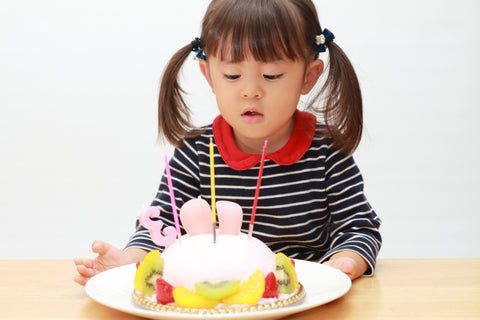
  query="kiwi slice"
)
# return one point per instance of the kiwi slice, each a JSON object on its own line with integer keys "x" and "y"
{"x": 285, "y": 274}
{"x": 152, "y": 271}
{"x": 217, "y": 290}
{"x": 141, "y": 267}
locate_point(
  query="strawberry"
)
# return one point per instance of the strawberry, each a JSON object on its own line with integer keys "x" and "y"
{"x": 137, "y": 264}
{"x": 293, "y": 262}
{"x": 271, "y": 286}
{"x": 164, "y": 290}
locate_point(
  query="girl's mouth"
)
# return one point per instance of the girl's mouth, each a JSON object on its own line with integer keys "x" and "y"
{"x": 252, "y": 116}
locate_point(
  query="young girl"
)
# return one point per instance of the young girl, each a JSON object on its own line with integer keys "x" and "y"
{"x": 259, "y": 57}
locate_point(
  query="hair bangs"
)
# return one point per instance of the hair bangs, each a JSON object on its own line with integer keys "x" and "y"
{"x": 264, "y": 30}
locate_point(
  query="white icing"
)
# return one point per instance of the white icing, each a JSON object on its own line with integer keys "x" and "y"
{"x": 232, "y": 257}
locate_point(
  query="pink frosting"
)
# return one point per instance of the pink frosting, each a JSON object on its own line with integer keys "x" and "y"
{"x": 232, "y": 257}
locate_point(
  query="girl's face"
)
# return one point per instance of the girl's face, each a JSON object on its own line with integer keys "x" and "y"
{"x": 258, "y": 99}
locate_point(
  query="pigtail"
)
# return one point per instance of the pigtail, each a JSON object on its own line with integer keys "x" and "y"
{"x": 173, "y": 113}
{"x": 343, "y": 102}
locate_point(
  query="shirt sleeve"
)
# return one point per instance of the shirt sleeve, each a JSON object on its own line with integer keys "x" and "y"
{"x": 185, "y": 181}
{"x": 353, "y": 223}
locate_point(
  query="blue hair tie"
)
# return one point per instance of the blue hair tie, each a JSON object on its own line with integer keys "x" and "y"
{"x": 322, "y": 39}
{"x": 197, "y": 48}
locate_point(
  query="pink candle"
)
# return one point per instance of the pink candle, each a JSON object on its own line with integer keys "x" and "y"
{"x": 172, "y": 197}
{"x": 257, "y": 190}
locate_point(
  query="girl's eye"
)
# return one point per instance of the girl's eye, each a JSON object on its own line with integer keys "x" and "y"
{"x": 232, "y": 76}
{"x": 272, "y": 77}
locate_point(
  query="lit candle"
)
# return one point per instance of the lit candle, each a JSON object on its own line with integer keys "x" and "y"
{"x": 172, "y": 198}
{"x": 212, "y": 186}
{"x": 257, "y": 190}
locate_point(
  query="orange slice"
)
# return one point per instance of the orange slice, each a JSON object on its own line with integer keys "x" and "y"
{"x": 188, "y": 299}
{"x": 250, "y": 291}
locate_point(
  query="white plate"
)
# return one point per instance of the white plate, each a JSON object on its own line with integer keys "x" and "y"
{"x": 113, "y": 288}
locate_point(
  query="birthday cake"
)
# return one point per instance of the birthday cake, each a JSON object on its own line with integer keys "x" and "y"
{"x": 212, "y": 270}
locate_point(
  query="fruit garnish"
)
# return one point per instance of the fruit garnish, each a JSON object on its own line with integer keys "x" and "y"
{"x": 217, "y": 290}
{"x": 271, "y": 286}
{"x": 164, "y": 291}
{"x": 141, "y": 267}
{"x": 286, "y": 275}
{"x": 151, "y": 273}
{"x": 151, "y": 270}
{"x": 188, "y": 299}
{"x": 250, "y": 291}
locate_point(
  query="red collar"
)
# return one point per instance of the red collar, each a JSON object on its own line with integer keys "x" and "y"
{"x": 291, "y": 152}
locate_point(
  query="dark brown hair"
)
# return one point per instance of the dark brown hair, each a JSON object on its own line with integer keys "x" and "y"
{"x": 269, "y": 30}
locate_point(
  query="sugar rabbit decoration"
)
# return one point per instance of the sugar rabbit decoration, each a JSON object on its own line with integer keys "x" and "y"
{"x": 195, "y": 218}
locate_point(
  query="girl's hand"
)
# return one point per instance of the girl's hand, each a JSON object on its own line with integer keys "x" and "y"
{"x": 349, "y": 262}
{"x": 108, "y": 257}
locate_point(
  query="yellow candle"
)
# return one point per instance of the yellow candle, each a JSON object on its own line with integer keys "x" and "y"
{"x": 212, "y": 181}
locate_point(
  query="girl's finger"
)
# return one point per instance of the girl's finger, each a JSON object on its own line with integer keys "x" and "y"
{"x": 80, "y": 280}
{"x": 86, "y": 272}
{"x": 88, "y": 263}
{"x": 100, "y": 247}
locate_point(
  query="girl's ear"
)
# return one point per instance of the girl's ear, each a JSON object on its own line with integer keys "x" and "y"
{"x": 206, "y": 73}
{"x": 313, "y": 72}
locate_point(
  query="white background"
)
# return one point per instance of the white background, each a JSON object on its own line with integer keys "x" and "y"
{"x": 78, "y": 90}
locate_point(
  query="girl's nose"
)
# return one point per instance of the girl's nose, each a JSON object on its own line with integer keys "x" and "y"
{"x": 252, "y": 91}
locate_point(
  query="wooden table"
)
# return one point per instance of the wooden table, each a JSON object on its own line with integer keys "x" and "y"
{"x": 401, "y": 289}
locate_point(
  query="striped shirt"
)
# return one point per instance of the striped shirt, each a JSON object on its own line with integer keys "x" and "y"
{"x": 308, "y": 210}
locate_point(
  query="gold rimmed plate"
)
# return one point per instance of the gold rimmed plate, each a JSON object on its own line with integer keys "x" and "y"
{"x": 321, "y": 284}
{"x": 149, "y": 304}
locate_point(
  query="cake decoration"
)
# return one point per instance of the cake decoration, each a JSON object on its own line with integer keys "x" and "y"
{"x": 149, "y": 220}
{"x": 212, "y": 188}
{"x": 234, "y": 274}
{"x": 172, "y": 198}
{"x": 257, "y": 189}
